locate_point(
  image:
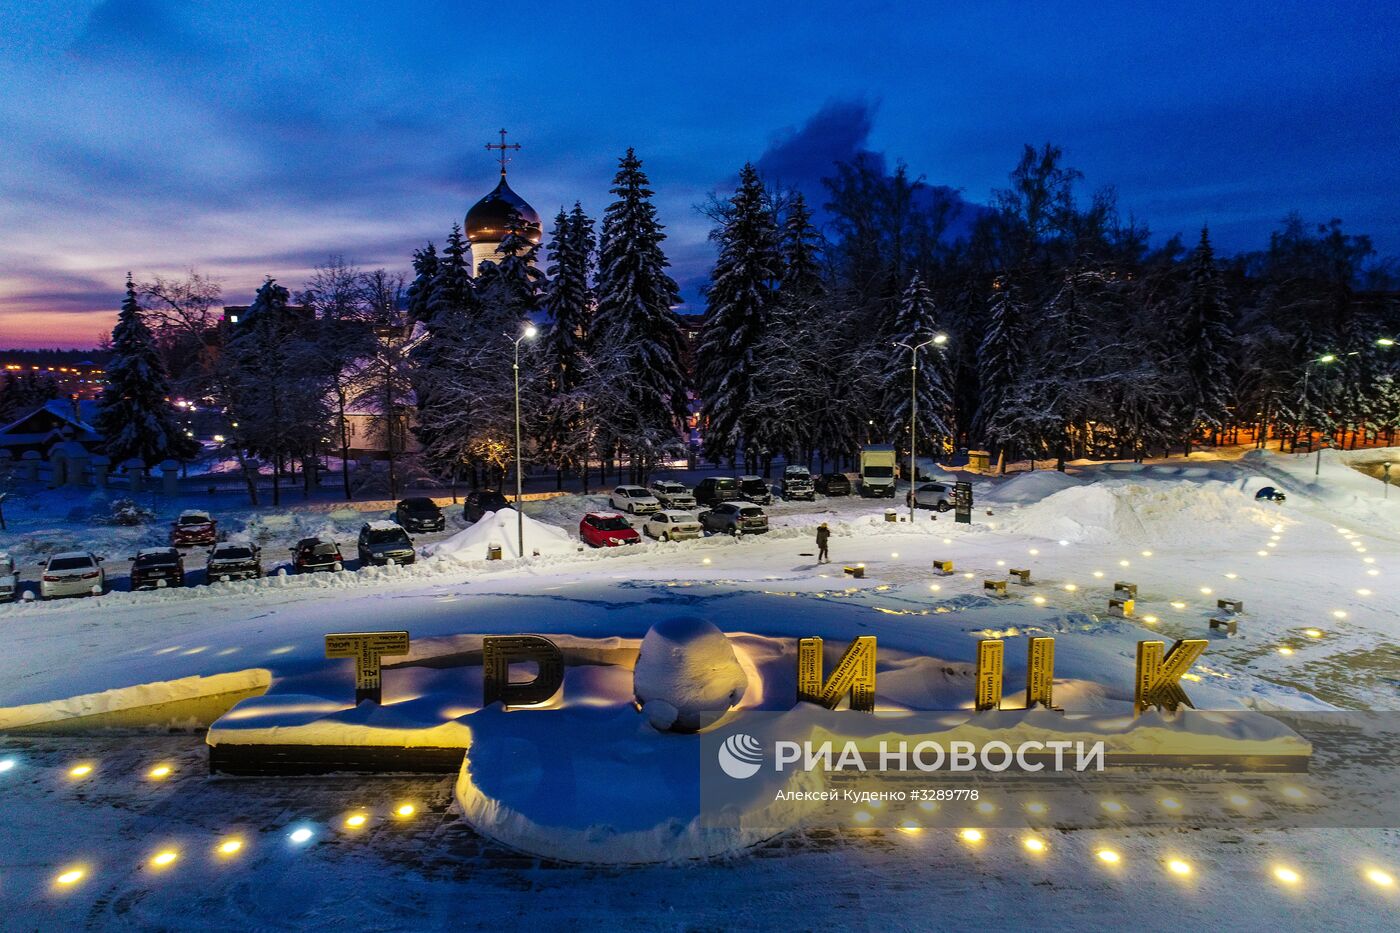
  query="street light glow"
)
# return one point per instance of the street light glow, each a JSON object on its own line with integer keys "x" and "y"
{"x": 530, "y": 331}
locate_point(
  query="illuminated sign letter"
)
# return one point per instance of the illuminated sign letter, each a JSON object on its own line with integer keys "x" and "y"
{"x": 855, "y": 674}
{"x": 498, "y": 652}
{"x": 1157, "y": 676}
{"x": 1040, "y": 673}
{"x": 366, "y": 648}
{"x": 988, "y": 674}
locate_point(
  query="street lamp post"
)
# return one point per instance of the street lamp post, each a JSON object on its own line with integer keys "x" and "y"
{"x": 937, "y": 340}
{"x": 1385, "y": 478}
{"x": 528, "y": 334}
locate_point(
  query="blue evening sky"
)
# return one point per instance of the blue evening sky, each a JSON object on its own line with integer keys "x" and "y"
{"x": 247, "y": 138}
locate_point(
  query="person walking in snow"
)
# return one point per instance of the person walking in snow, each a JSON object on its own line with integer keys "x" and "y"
{"x": 823, "y": 536}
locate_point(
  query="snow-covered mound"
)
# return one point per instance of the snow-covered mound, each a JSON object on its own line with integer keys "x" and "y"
{"x": 1026, "y": 488}
{"x": 1131, "y": 512}
{"x": 687, "y": 675}
{"x": 500, "y": 528}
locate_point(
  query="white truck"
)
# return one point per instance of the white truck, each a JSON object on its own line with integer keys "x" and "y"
{"x": 877, "y": 463}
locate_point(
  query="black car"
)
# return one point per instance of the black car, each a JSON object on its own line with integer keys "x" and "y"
{"x": 834, "y": 484}
{"x": 755, "y": 489}
{"x": 482, "y": 501}
{"x": 157, "y": 567}
{"x": 311, "y": 554}
{"x": 716, "y": 489}
{"x": 420, "y": 514}
{"x": 230, "y": 561}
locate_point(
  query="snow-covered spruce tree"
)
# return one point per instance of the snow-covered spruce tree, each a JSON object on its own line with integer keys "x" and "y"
{"x": 443, "y": 300}
{"x": 562, "y": 428}
{"x": 916, "y": 320}
{"x": 740, "y": 303}
{"x": 420, "y": 291}
{"x": 135, "y": 418}
{"x": 999, "y": 364}
{"x": 638, "y": 339}
{"x": 278, "y": 400}
{"x": 508, "y": 286}
{"x": 1206, "y": 340}
{"x": 793, "y": 352}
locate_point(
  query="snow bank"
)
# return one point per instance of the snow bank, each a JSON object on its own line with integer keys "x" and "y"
{"x": 687, "y": 676}
{"x": 1127, "y": 512}
{"x": 1026, "y": 488}
{"x": 501, "y": 528}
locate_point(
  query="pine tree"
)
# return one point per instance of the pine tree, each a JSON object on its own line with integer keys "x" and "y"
{"x": 639, "y": 344}
{"x": 916, "y": 320}
{"x": 741, "y": 298}
{"x": 794, "y": 351}
{"x": 999, "y": 364}
{"x": 420, "y": 292}
{"x": 135, "y": 418}
{"x": 452, "y": 290}
{"x": 563, "y": 347}
{"x": 568, "y": 298}
{"x": 508, "y": 286}
{"x": 443, "y": 300}
{"x": 1206, "y": 338}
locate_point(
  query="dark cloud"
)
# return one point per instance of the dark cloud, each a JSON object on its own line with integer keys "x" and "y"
{"x": 800, "y": 157}
{"x": 145, "y": 29}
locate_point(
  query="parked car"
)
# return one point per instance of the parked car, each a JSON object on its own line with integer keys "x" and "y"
{"x": 833, "y": 484}
{"x": 384, "y": 542}
{"x": 481, "y": 501}
{"x": 607, "y": 529}
{"x": 233, "y": 560}
{"x": 420, "y": 514}
{"x": 634, "y": 499}
{"x": 9, "y": 582}
{"x": 673, "y": 525}
{"x": 735, "y": 518}
{"x": 672, "y": 495}
{"x": 716, "y": 489}
{"x": 194, "y": 528}
{"x": 72, "y": 573}
{"x": 155, "y": 568}
{"x": 312, "y": 554}
{"x": 930, "y": 496}
{"x": 797, "y": 483}
{"x": 755, "y": 489}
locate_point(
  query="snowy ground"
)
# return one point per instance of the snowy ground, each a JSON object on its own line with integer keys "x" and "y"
{"x": 1317, "y": 575}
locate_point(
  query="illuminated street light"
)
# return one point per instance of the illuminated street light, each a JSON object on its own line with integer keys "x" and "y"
{"x": 528, "y": 334}
{"x": 937, "y": 340}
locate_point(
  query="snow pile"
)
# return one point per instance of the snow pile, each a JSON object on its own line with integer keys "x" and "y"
{"x": 1034, "y": 486}
{"x": 1137, "y": 513}
{"x": 500, "y": 528}
{"x": 687, "y": 676}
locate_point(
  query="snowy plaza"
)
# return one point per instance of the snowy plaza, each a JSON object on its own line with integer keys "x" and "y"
{"x": 129, "y": 826}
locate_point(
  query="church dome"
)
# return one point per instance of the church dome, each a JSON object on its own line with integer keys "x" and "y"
{"x": 490, "y": 217}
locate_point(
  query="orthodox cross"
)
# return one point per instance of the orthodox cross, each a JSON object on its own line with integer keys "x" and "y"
{"x": 503, "y": 147}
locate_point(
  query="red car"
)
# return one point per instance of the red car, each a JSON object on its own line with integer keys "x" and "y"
{"x": 193, "y": 528}
{"x": 607, "y": 529}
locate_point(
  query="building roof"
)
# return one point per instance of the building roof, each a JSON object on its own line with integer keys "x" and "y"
{"x": 490, "y": 217}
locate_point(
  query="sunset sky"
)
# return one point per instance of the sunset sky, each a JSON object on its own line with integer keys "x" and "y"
{"x": 247, "y": 139}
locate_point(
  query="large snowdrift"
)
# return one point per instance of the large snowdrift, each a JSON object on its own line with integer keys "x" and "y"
{"x": 501, "y": 528}
{"x": 1130, "y": 512}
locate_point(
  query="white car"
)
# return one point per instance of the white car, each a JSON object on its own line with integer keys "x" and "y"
{"x": 673, "y": 525}
{"x": 73, "y": 573}
{"x": 931, "y": 496}
{"x": 672, "y": 495}
{"x": 635, "y": 500}
{"x": 9, "y": 583}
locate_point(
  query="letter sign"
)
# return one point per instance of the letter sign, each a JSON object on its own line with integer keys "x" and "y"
{"x": 1158, "y": 678}
{"x": 855, "y": 674}
{"x": 498, "y": 652}
{"x": 366, "y": 648}
{"x": 990, "y": 653}
{"x": 1040, "y": 673}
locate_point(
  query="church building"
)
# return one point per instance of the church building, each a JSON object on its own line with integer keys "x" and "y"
{"x": 490, "y": 218}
